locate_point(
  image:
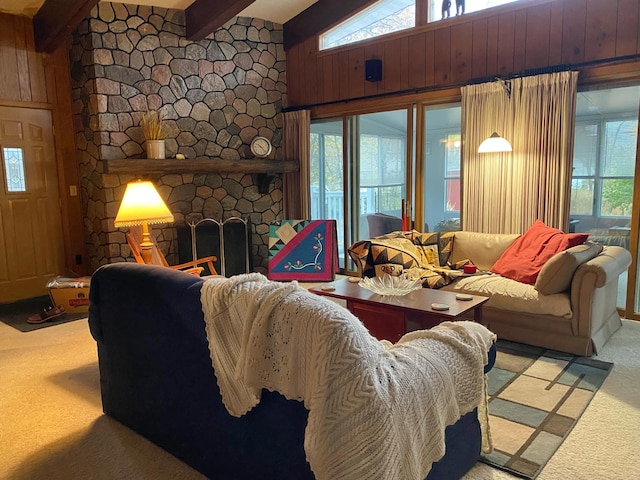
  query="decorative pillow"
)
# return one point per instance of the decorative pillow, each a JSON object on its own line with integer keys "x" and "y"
{"x": 525, "y": 257}
{"x": 429, "y": 255}
{"x": 389, "y": 268}
{"x": 557, "y": 273}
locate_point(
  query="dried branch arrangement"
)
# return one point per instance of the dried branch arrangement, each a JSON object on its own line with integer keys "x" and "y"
{"x": 153, "y": 126}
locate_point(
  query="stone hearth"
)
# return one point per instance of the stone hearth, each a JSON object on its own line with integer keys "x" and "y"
{"x": 217, "y": 95}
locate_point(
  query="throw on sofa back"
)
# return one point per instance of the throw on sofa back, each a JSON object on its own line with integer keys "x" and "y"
{"x": 407, "y": 249}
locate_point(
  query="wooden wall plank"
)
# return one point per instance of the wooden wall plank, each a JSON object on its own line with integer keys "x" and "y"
{"x": 442, "y": 55}
{"x": 601, "y": 25}
{"x": 37, "y": 66}
{"x": 22, "y": 61}
{"x": 342, "y": 66}
{"x": 520, "y": 41}
{"x": 627, "y": 27}
{"x": 295, "y": 65}
{"x": 391, "y": 65}
{"x": 479, "y": 46}
{"x": 555, "y": 34}
{"x": 9, "y": 81}
{"x": 404, "y": 62}
{"x": 356, "y": 72}
{"x": 430, "y": 58}
{"x": 506, "y": 42}
{"x": 417, "y": 66}
{"x": 538, "y": 36}
{"x": 573, "y": 32}
{"x": 311, "y": 69}
{"x": 461, "y": 52}
{"x": 326, "y": 72}
{"x": 493, "y": 31}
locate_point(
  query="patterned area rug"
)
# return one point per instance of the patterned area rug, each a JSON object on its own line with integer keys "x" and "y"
{"x": 536, "y": 398}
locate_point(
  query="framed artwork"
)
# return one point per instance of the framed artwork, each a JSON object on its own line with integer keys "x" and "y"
{"x": 303, "y": 250}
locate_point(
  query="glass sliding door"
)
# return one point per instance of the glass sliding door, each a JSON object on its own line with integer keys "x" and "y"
{"x": 441, "y": 178}
{"x": 604, "y": 168}
{"x": 359, "y": 168}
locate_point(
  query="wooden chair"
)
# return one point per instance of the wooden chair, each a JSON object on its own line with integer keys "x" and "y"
{"x": 134, "y": 238}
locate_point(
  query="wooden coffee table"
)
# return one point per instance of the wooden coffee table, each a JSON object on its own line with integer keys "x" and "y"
{"x": 389, "y": 317}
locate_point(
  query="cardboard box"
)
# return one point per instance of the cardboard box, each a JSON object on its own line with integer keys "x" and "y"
{"x": 71, "y": 293}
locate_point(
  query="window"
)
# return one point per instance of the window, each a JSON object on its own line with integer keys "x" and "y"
{"x": 604, "y": 160}
{"x": 438, "y": 11}
{"x": 387, "y": 16}
{"x": 14, "y": 170}
{"x": 383, "y": 17}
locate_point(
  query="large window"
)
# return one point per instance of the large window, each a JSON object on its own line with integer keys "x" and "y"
{"x": 382, "y": 17}
{"x": 604, "y": 167}
{"x": 441, "y": 9}
{"x": 388, "y": 16}
{"x": 604, "y": 162}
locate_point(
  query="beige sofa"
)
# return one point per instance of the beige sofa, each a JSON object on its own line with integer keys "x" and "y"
{"x": 578, "y": 320}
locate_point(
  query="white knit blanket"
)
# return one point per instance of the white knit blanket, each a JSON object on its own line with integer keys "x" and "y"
{"x": 376, "y": 410}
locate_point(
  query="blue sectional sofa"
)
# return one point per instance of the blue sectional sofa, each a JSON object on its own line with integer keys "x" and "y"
{"x": 157, "y": 379}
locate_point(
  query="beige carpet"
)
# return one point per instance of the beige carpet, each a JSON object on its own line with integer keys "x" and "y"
{"x": 52, "y": 427}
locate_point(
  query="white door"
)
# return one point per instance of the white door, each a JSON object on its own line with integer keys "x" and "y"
{"x": 31, "y": 242}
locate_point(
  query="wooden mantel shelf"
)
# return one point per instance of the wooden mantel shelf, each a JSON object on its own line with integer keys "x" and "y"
{"x": 145, "y": 166}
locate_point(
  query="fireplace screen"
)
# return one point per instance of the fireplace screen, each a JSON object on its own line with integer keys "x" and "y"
{"x": 229, "y": 241}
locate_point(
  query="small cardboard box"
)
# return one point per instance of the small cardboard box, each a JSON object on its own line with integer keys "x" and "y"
{"x": 71, "y": 293}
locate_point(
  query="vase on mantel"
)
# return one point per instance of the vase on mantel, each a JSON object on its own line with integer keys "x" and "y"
{"x": 155, "y": 149}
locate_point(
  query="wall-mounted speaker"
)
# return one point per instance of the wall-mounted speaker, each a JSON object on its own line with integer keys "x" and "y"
{"x": 373, "y": 70}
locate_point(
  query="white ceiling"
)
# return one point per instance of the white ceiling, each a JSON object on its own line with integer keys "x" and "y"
{"x": 277, "y": 11}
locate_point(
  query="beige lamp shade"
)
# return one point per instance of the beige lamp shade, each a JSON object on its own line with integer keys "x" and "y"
{"x": 495, "y": 143}
{"x": 141, "y": 205}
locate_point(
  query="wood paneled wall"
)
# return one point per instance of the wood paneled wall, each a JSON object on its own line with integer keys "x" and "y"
{"x": 22, "y": 76}
{"x": 515, "y": 38}
{"x": 32, "y": 80}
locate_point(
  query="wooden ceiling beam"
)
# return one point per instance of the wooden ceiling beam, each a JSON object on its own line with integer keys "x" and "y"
{"x": 205, "y": 16}
{"x": 318, "y": 17}
{"x": 57, "y": 19}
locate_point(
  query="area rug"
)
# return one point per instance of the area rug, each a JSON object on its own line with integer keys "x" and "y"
{"x": 536, "y": 398}
{"x": 15, "y": 314}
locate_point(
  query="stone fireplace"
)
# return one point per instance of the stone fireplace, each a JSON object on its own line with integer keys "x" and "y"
{"x": 217, "y": 95}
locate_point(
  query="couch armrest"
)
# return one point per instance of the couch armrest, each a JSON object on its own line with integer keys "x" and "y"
{"x": 594, "y": 289}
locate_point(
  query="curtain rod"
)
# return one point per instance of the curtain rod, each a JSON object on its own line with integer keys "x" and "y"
{"x": 473, "y": 81}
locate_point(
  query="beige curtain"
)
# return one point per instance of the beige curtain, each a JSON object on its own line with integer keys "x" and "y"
{"x": 296, "y": 146}
{"x": 507, "y": 192}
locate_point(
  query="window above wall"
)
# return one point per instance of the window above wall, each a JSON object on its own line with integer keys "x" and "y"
{"x": 388, "y": 16}
{"x": 383, "y": 17}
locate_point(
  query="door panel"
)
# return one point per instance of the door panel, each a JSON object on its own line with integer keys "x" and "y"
{"x": 30, "y": 223}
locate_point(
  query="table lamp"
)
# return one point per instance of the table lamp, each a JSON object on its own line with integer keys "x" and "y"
{"x": 142, "y": 205}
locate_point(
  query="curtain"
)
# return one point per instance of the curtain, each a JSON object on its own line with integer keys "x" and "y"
{"x": 507, "y": 192}
{"x": 296, "y": 146}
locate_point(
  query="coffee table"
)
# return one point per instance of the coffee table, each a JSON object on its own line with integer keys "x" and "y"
{"x": 389, "y": 317}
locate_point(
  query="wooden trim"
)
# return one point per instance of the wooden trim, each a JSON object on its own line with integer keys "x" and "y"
{"x": 318, "y": 18}
{"x": 146, "y": 166}
{"x": 203, "y": 17}
{"x": 38, "y": 105}
{"x": 57, "y": 19}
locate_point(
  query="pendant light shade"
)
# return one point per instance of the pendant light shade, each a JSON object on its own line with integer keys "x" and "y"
{"x": 495, "y": 143}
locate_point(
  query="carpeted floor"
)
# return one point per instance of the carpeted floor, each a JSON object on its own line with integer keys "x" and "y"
{"x": 52, "y": 426}
{"x": 536, "y": 398}
{"x": 15, "y": 314}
